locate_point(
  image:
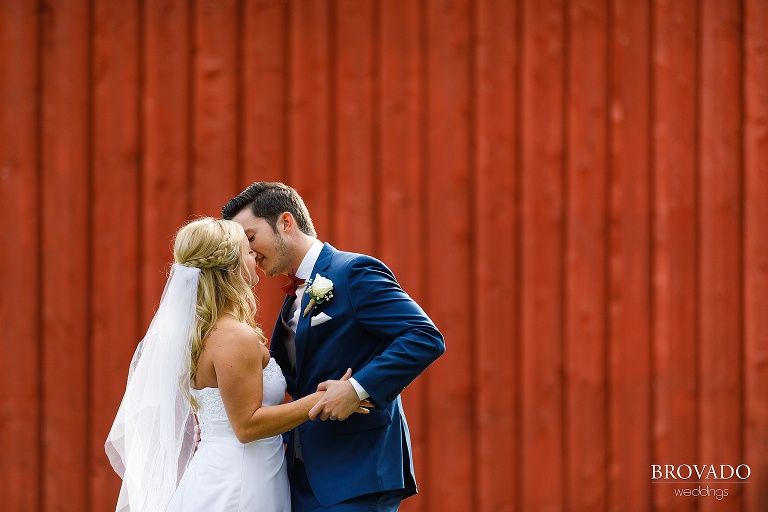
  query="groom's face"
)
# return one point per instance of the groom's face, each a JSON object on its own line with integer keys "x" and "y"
{"x": 270, "y": 249}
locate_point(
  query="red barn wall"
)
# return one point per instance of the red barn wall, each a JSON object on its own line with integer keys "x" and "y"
{"x": 575, "y": 190}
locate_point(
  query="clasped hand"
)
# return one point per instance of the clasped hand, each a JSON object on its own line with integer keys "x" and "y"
{"x": 339, "y": 401}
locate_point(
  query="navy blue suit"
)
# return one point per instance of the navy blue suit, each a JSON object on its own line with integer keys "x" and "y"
{"x": 386, "y": 338}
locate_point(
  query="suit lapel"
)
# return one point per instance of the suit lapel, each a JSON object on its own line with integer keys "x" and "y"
{"x": 302, "y": 329}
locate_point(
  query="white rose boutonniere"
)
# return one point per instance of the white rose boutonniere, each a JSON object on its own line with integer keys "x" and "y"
{"x": 320, "y": 290}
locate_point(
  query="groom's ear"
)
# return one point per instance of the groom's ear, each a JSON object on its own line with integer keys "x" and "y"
{"x": 285, "y": 223}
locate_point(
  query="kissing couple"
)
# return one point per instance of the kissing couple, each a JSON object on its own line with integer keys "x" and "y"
{"x": 347, "y": 342}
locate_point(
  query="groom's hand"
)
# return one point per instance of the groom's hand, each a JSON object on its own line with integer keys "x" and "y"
{"x": 339, "y": 402}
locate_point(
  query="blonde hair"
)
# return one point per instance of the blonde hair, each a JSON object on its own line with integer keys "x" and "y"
{"x": 214, "y": 246}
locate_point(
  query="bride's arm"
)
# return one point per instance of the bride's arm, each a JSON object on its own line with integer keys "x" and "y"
{"x": 238, "y": 358}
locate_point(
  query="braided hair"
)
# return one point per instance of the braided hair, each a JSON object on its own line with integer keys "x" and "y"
{"x": 214, "y": 246}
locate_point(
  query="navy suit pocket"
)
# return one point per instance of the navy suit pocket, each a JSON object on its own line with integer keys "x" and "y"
{"x": 360, "y": 422}
{"x": 324, "y": 328}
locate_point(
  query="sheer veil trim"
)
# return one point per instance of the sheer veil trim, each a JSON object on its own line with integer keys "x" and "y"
{"x": 152, "y": 438}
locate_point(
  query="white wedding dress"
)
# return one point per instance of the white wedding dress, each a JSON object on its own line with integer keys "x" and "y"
{"x": 226, "y": 475}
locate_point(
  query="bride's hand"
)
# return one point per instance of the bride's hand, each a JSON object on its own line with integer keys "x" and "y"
{"x": 364, "y": 406}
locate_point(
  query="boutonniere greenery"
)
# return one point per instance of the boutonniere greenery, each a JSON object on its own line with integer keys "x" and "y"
{"x": 320, "y": 289}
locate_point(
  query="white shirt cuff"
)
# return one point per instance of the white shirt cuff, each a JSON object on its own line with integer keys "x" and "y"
{"x": 363, "y": 394}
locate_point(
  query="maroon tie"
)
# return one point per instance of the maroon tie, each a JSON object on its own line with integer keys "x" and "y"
{"x": 294, "y": 283}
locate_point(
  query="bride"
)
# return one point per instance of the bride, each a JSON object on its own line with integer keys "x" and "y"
{"x": 204, "y": 353}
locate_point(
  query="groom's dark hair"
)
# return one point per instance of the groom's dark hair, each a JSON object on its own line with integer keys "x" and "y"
{"x": 268, "y": 200}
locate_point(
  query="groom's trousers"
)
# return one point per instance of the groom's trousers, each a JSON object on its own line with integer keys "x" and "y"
{"x": 303, "y": 499}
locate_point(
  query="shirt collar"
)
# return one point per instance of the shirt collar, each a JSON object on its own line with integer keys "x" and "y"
{"x": 308, "y": 263}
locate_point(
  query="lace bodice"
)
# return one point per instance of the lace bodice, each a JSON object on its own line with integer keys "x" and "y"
{"x": 227, "y": 475}
{"x": 212, "y": 415}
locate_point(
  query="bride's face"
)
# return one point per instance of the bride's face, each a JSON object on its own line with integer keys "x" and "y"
{"x": 249, "y": 257}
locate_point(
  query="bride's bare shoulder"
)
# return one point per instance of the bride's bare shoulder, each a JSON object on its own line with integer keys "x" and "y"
{"x": 229, "y": 335}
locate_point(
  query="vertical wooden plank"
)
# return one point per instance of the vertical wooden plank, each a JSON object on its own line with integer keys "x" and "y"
{"x": 585, "y": 277}
{"x": 309, "y": 144}
{"x": 264, "y": 124}
{"x": 264, "y": 75}
{"x": 20, "y": 290}
{"x": 629, "y": 319}
{"x": 449, "y": 242}
{"x": 65, "y": 276}
{"x": 310, "y": 134}
{"x": 165, "y": 119}
{"x": 354, "y": 208}
{"x": 216, "y": 133}
{"x": 401, "y": 191}
{"x": 755, "y": 155}
{"x": 114, "y": 220}
{"x": 496, "y": 263}
{"x": 720, "y": 295}
{"x": 675, "y": 333}
{"x": 542, "y": 258}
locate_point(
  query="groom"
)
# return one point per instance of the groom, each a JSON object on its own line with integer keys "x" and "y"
{"x": 342, "y": 310}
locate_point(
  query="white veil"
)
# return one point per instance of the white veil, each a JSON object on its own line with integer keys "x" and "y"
{"x": 152, "y": 439}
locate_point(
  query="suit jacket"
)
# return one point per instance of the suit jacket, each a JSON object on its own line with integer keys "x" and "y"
{"x": 376, "y": 329}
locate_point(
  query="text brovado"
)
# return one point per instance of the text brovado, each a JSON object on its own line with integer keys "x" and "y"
{"x": 699, "y": 472}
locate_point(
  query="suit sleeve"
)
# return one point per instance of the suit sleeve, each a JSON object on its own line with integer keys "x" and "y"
{"x": 407, "y": 339}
